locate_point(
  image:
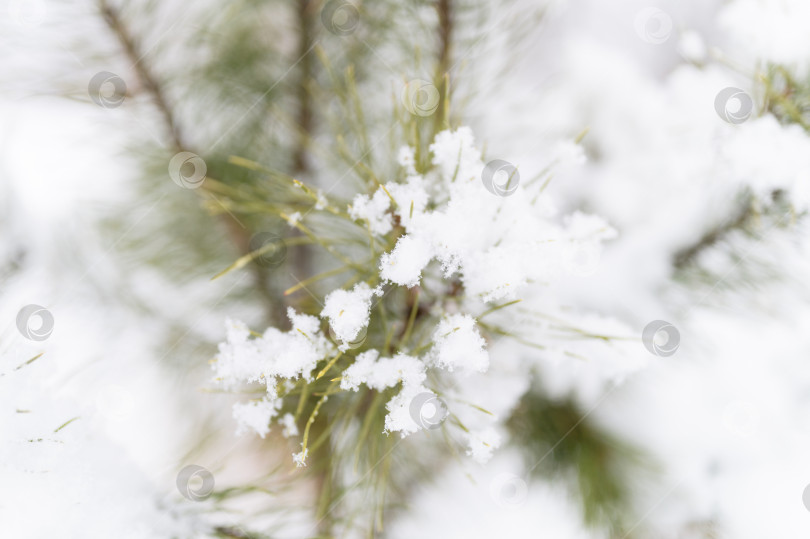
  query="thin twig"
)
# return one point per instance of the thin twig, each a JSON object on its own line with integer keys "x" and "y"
{"x": 239, "y": 235}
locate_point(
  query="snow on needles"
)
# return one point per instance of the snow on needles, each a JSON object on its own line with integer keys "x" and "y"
{"x": 374, "y": 211}
{"x": 495, "y": 246}
{"x": 458, "y": 345}
{"x": 348, "y": 311}
{"x": 272, "y": 358}
{"x": 383, "y": 373}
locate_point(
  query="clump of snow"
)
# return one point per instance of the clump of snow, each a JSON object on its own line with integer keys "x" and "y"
{"x": 692, "y": 47}
{"x": 458, "y": 345}
{"x": 411, "y": 197}
{"x": 383, "y": 373}
{"x": 348, "y": 311}
{"x": 496, "y": 244}
{"x": 230, "y": 370}
{"x": 289, "y": 428}
{"x": 294, "y": 218}
{"x": 276, "y": 354}
{"x": 482, "y": 443}
{"x": 406, "y": 158}
{"x": 768, "y": 32}
{"x": 455, "y": 155}
{"x": 374, "y": 211}
{"x": 274, "y": 357}
{"x": 399, "y": 417}
{"x": 405, "y": 263}
{"x": 780, "y": 158}
{"x": 321, "y": 202}
{"x": 254, "y": 415}
{"x": 300, "y": 458}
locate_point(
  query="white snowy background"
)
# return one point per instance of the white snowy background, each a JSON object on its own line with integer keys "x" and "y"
{"x": 727, "y": 416}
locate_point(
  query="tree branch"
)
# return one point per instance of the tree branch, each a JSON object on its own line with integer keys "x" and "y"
{"x": 240, "y": 236}
{"x": 445, "y": 29}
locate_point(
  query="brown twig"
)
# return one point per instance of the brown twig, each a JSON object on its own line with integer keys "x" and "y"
{"x": 305, "y": 113}
{"x": 445, "y": 12}
{"x": 240, "y": 236}
{"x": 302, "y": 258}
{"x": 113, "y": 19}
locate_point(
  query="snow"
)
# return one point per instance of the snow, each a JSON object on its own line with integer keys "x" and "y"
{"x": 458, "y": 345}
{"x": 406, "y": 158}
{"x": 590, "y": 258}
{"x": 496, "y": 244}
{"x": 768, "y": 31}
{"x": 279, "y": 354}
{"x": 289, "y": 427}
{"x": 255, "y": 416}
{"x": 481, "y": 444}
{"x": 348, "y": 311}
{"x": 300, "y": 458}
{"x": 294, "y": 218}
{"x": 404, "y": 265}
{"x": 374, "y": 211}
{"x": 381, "y": 373}
{"x": 411, "y": 197}
{"x": 456, "y": 157}
{"x": 400, "y": 417}
{"x": 781, "y": 159}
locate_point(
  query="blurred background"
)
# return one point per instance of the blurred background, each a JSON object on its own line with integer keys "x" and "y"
{"x": 103, "y": 405}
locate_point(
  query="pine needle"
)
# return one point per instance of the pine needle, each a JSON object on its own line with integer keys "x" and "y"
{"x": 498, "y": 307}
{"x": 246, "y": 163}
{"x": 329, "y": 365}
{"x": 243, "y": 261}
{"x": 411, "y": 319}
{"x": 315, "y": 278}
{"x": 331, "y": 250}
{"x": 312, "y": 417}
{"x": 65, "y": 424}
{"x": 36, "y": 357}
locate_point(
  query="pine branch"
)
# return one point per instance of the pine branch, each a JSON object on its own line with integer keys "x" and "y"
{"x": 240, "y": 236}
{"x": 752, "y": 209}
{"x": 150, "y": 83}
{"x": 306, "y": 64}
{"x": 446, "y": 31}
{"x": 688, "y": 255}
{"x": 302, "y": 258}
